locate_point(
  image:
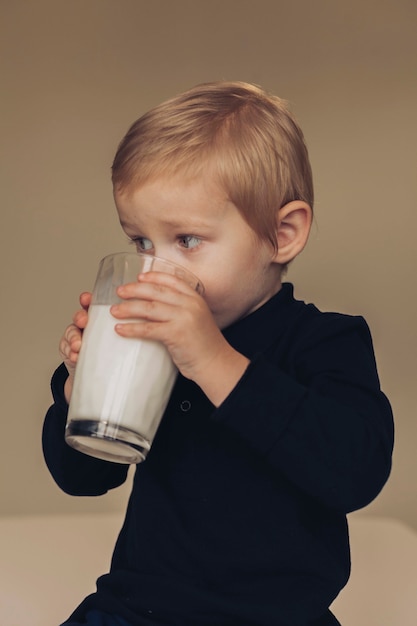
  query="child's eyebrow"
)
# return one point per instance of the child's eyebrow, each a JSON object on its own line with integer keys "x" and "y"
{"x": 181, "y": 225}
{"x": 184, "y": 223}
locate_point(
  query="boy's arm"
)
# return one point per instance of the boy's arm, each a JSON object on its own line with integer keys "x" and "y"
{"x": 319, "y": 418}
{"x": 74, "y": 472}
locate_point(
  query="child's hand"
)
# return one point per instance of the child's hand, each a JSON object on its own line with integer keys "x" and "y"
{"x": 70, "y": 344}
{"x": 167, "y": 309}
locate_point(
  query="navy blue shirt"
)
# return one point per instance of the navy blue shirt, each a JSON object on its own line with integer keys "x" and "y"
{"x": 238, "y": 515}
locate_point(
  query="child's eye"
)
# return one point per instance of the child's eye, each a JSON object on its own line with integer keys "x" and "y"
{"x": 189, "y": 241}
{"x": 142, "y": 244}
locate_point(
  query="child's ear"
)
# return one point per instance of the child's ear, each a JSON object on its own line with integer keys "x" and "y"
{"x": 293, "y": 228}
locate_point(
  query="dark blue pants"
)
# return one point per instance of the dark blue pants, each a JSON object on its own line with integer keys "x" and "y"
{"x": 98, "y": 618}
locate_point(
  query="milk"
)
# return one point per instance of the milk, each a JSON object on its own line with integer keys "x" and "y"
{"x": 120, "y": 381}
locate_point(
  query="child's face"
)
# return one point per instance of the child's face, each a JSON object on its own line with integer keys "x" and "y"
{"x": 192, "y": 223}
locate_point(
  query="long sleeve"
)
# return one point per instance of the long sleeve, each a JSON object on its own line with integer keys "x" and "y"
{"x": 315, "y": 411}
{"x": 74, "y": 472}
{"x": 240, "y": 510}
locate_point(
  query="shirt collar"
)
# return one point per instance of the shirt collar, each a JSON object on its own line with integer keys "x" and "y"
{"x": 255, "y": 332}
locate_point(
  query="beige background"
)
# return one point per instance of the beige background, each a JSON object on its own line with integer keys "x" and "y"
{"x": 76, "y": 74}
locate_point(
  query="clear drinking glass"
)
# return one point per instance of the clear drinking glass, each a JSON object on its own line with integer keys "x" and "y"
{"x": 121, "y": 385}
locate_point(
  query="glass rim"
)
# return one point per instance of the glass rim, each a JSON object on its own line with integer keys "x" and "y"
{"x": 198, "y": 287}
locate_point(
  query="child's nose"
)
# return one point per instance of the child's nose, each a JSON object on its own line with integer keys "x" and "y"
{"x": 163, "y": 252}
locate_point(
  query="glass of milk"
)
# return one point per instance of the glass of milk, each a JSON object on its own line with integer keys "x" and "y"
{"x": 121, "y": 385}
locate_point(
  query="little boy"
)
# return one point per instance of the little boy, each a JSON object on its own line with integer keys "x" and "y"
{"x": 276, "y": 427}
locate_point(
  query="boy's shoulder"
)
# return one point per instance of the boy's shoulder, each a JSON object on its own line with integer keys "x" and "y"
{"x": 286, "y": 325}
{"x": 309, "y": 318}
{"x": 303, "y": 325}
{"x": 311, "y": 330}
{"x": 313, "y": 320}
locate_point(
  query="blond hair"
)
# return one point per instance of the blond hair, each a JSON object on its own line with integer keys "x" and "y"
{"x": 247, "y": 138}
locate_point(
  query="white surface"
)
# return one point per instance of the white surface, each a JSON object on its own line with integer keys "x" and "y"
{"x": 49, "y": 564}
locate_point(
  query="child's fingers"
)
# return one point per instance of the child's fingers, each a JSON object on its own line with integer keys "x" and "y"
{"x": 155, "y": 302}
{"x": 164, "y": 289}
{"x": 80, "y": 318}
{"x": 161, "y": 281}
{"x": 182, "y": 282}
{"x": 85, "y": 300}
{"x": 70, "y": 344}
